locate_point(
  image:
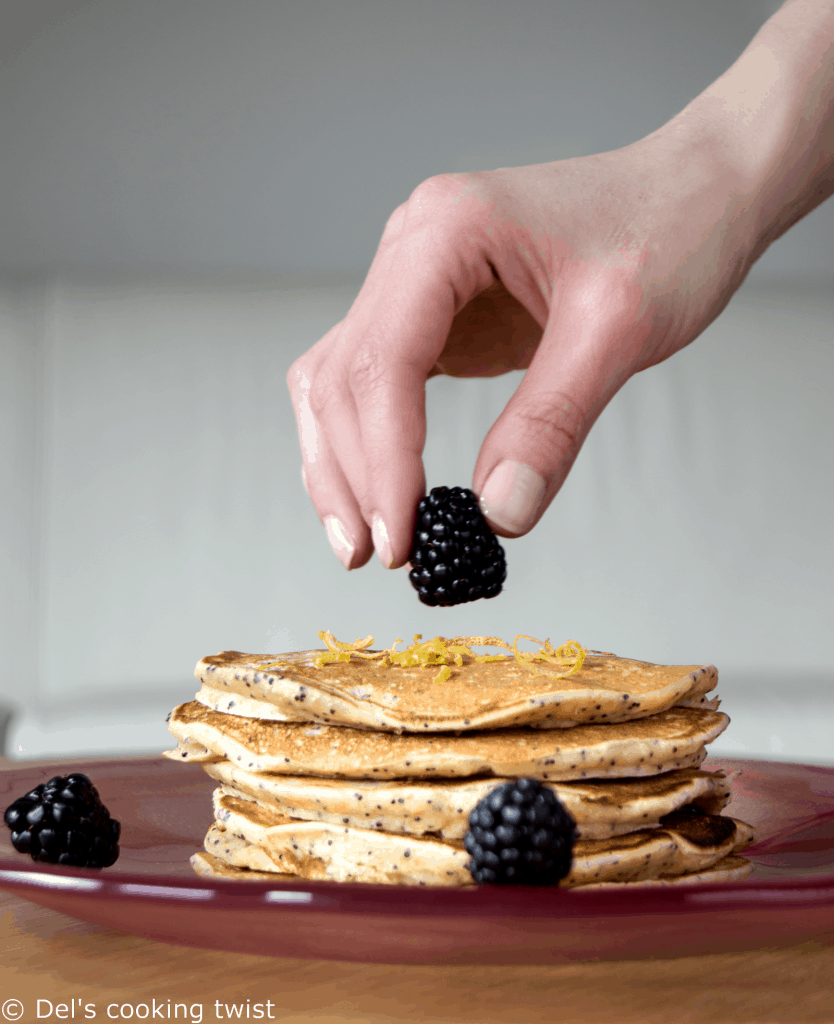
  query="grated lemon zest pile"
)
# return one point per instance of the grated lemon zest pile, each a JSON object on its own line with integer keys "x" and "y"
{"x": 447, "y": 652}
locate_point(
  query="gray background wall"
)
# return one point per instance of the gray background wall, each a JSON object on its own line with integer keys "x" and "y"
{"x": 278, "y": 135}
{"x": 190, "y": 193}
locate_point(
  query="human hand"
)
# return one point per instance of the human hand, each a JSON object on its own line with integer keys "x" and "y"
{"x": 583, "y": 272}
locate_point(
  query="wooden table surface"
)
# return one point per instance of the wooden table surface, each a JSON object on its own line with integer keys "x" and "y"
{"x": 46, "y": 955}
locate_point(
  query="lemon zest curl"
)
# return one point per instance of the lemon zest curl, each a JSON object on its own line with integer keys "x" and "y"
{"x": 445, "y": 652}
{"x": 271, "y": 663}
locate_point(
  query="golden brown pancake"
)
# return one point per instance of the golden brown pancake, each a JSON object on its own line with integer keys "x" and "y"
{"x": 478, "y": 695}
{"x": 600, "y": 808}
{"x": 207, "y": 865}
{"x": 668, "y": 741}
{"x": 246, "y": 835}
{"x": 730, "y": 869}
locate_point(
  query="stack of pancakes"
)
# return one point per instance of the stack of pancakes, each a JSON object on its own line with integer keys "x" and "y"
{"x": 363, "y": 771}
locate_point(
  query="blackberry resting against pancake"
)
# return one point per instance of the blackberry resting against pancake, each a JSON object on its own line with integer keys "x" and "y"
{"x": 356, "y": 765}
{"x": 520, "y": 834}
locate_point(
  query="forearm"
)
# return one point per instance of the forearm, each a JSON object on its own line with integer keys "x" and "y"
{"x": 772, "y": 116}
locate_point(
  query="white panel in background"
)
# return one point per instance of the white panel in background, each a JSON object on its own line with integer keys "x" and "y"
{"x": 22, "y": 309}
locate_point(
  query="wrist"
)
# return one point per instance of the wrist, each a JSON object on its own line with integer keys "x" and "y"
{"x": 767, "y": 125}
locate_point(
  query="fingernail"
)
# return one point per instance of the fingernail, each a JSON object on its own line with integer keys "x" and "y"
{"x": 339, "y": 540}
{"x": 379, "y": 533}
{"x": 512, "y": 495}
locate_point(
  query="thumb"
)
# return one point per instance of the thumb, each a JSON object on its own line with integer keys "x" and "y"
{"x": 582, "y": 361}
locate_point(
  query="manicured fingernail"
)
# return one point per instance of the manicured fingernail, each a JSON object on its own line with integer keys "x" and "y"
{"x": 379, "y": 533}
{"x": 304, "y": 479}
{"x": 339, "y": 540}
{"x": 512, "y": 495}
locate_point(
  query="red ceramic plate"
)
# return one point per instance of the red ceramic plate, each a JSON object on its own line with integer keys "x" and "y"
{"x": 165, "y": 809}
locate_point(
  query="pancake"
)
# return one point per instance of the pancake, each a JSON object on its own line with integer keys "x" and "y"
{"x": 477, "y": 695}
{"x": 730, "y": 869}
{"x": 250, "y": 707}
{"x": 600, "y": 808}
{"x": 206, "y": 865}
{"x": 187, "y": 750}
{"x": 668, "y": 741}
{"x": 244, "y": 831}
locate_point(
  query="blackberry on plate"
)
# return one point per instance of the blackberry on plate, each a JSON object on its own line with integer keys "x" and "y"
{"x": 63, "y": 821}
{"x": 520, "y": 834}
{"x": 455, "y": 556}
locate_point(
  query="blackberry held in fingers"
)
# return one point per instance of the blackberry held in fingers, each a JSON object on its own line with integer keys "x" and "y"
{"x": 455, "y": 556}
{"x": 520, "y": 834}
{"x": 63, "y": 821}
